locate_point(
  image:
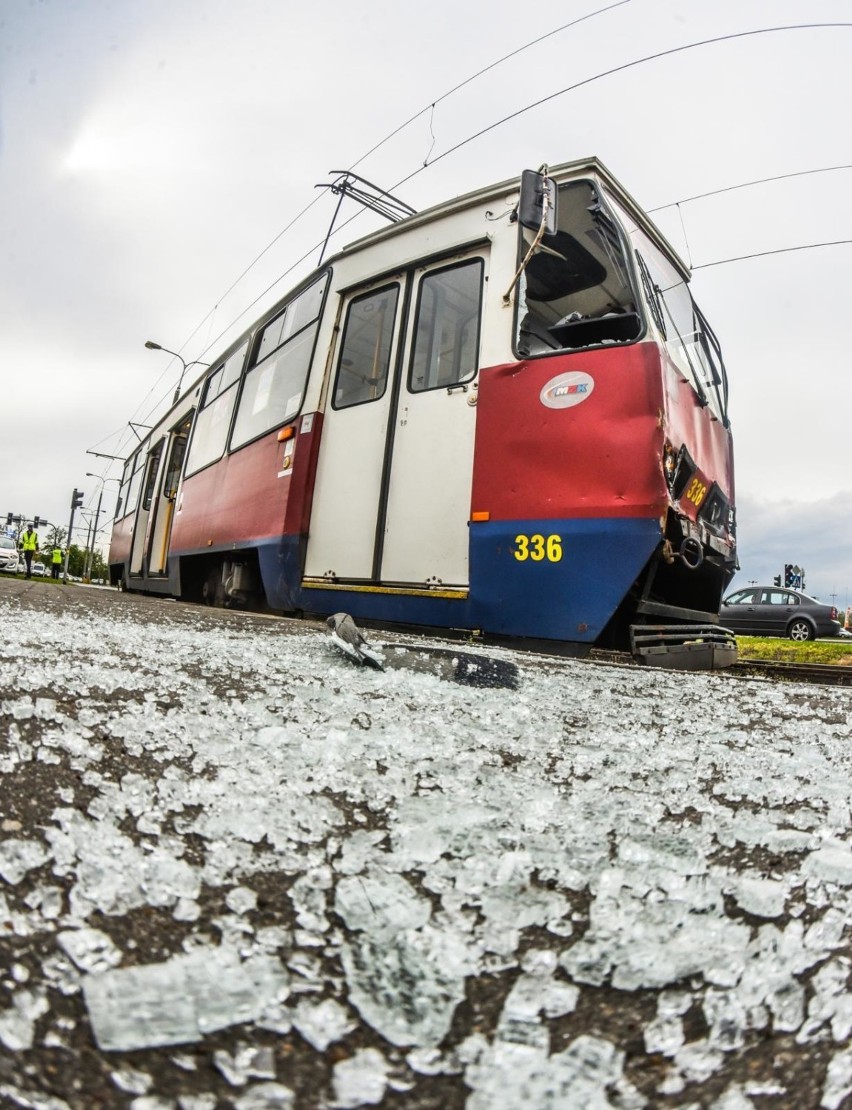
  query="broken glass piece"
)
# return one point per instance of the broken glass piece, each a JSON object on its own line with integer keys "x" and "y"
{"x": 733, "y": 1098}
{"x": 759, "y": 896}
{"x": 727, "y": 1018}
{"x": 698, "y": 1060}
{"x": 178, "y": 1001}
{"x": 380, "y": 903}
{"x": 406, "y": 986}
{"x": 832, "y": 864}
{"x": 246, "y": 1062}
{"x": 197, "y": 1102}
{"x": 241, "y": 900}
{"x": 90, "y": 949}
{"x": 361, "y": 1080}
{"x": 47, "y": 899}
{"x": 308, "y": 895}
{"x": 654, "y": 941}
{"x": 358, "y": 851}
{"x": 17, "y": 1023}
{"x": 838, "y": 1080}
{"x": 665, "y": 1033}
{"x": 511, "y": 1077}
{"x": 114, "y": 874}
{"x": 17, "y": 857}
{"x": 31, "y": 1100}
{"x": 431, "y": 1061}
{"x": 132, "y": 1081}
{"x": 533, "y": 994}
{"x": 322, "y": 1023}
{"x": 266, "y": 1096}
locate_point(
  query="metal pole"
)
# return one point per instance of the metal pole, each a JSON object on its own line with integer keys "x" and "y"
{"x": 68, "y": 544}
{"x": 86, "y": 548}
{"x": 94, "y": 534}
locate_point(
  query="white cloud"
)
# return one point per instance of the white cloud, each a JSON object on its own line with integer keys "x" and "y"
{"x": 816, "y": 535}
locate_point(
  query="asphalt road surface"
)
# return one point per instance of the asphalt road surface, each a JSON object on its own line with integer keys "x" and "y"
{"x": 239, "y": 871}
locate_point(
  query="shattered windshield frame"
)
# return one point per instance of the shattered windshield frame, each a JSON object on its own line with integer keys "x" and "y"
{"x": 577, "y": 289}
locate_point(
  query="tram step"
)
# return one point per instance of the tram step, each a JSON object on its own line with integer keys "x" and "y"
{"x": 683, "y": 647}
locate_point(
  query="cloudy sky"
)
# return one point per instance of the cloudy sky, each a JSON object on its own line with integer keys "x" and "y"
{"x": 153, "y": 150}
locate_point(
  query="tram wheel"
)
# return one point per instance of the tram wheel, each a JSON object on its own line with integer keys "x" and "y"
{"x": 209, "y": 591}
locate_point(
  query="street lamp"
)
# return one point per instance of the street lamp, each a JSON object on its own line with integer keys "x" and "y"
{"x": 152, "y": 346}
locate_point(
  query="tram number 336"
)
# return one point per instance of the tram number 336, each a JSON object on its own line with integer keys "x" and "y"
{"x": 538, "y": 548}
{"x": 696, "y": 492}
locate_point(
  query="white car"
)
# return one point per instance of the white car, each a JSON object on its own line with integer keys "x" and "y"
{"x": 9, "y": 560}
{"x": 40, "y": 569}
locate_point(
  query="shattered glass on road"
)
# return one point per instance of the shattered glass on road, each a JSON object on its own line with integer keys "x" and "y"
{"x": 238, "y": 871}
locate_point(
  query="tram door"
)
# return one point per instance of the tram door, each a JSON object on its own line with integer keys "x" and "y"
{"x": 162, "y": 517}
{"x": 392, "y": 495}
{"x": 143, "y": 513}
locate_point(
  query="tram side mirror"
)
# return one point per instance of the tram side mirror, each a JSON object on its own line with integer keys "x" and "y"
{"x": 535, "y": 187}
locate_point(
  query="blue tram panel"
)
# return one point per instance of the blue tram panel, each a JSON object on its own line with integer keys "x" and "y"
{"x": 555, "y": 579}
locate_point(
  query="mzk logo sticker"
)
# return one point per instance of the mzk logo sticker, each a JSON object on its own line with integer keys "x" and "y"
{"x": 567, "y": 390}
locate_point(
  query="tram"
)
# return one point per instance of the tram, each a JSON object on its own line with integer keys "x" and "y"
{"x": 505, "y": 414}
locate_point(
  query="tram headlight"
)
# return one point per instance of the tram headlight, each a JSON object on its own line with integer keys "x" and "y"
{"x": 669, "y": 462}
{"x": 678, "y": 467}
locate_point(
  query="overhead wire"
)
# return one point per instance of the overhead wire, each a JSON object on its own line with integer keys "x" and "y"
{"x": 778, "y": 250}
{"x": 745, "y": 185}
{"x": 493, "y": 126}
{"x": 430, "y": 107}
{"x": 543, "y": 100}
{"x": 609, "y": 73}
{"x": 479, "y": 73}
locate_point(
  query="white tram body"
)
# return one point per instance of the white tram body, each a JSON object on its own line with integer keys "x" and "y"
{"x": 461, "y": 421}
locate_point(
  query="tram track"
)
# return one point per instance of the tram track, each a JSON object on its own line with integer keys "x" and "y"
{"x": 818, "y": 674}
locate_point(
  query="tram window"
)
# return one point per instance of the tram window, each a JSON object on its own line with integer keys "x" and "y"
{"x": 362, "y": 371}
{"x": 688, "y": 337}
{"x": 275, "y": 382}
{"x": 446, "y": 339}
{"x": 178, "y": 450}
{"x": 150, "y": 481}
{"x": 126, "y": 475}
{"x": 214, "y": 416}
{"x": 134, "y": 485}
{"x": 575, "y": 290}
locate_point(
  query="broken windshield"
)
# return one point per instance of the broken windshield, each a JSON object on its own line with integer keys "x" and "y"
{"x": 575, "y": 290}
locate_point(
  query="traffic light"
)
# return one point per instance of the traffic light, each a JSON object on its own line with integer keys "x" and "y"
{"x": 788, "y": 574}
{"x": 9, "y": 517}
{"x": 37, "y": 521}
{"x": 777, "y": 579}
{"x": 77, "y": 499}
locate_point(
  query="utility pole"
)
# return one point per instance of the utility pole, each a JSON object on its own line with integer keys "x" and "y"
{"x": 87, "y": 572}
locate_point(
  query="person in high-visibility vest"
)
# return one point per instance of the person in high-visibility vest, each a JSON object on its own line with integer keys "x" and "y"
{"x": 29, "y": 546}
{"x": 55, "y": 561}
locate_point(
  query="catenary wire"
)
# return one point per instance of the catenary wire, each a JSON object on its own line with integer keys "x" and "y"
{"x": 778, "y": 250}
{"x": 486, "y": 69}
{"x": 552, "y": 96}
{"x": 608, "y": 73}
{"x": 377, "y": 146}
{"x": 746, "y": 185}
{"x": 471, "y": 138}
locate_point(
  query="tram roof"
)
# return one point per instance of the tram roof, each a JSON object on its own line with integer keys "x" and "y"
{"x": 565, "y": 171}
